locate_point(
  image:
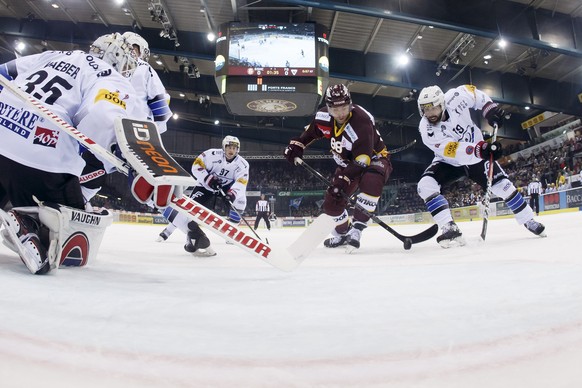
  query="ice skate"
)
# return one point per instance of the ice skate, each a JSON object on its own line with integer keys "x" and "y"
{"x": 353, "y": 237}
{"x": 451, "y": 236}
{"x": 536, "y": 228}
{"x": 335, "y": 240}
{"x": 199, "y": 245}
{"x": 21, "y": 235}
{"x": 163, "y": 236}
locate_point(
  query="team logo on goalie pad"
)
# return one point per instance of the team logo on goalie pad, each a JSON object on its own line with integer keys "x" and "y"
{"x": 75, "y": 250}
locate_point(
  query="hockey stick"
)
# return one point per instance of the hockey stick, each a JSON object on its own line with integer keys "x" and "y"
{"x": 240, "y": 215}
{"x": 400, "y": 149}
{"x": 487, "y": 198}
{"x": 283, "y": 259}
{"x": 407, "y": 240}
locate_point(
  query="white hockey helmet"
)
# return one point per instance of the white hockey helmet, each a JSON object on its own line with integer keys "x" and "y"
{"x": 135, "y": 39}
{"x": 429, "y": 97}
{"x": 115, "y": 50}
{"x": 231, "y": 140}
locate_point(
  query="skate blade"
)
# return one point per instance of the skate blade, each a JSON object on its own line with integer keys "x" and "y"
{"x": 207, "y": 252}
{"x": 456, "y": 242}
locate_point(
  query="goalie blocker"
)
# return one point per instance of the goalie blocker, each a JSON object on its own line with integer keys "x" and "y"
{"x": 69, "y": 237}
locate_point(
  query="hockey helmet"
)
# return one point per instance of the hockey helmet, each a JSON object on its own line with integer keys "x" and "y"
{"x": 116, "y": 51}
{"x": 136, "y": 40}
{"x": 337, "y": 95}
{"x": 429, "y": 97}
{"x": 231, "y": 140}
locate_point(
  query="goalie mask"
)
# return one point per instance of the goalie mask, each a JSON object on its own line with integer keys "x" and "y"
{"x": 233, "y": 141}
{"x": 136, "y": 40}
{"x": 431, "y": 103}
{"x": 116, "y": 51}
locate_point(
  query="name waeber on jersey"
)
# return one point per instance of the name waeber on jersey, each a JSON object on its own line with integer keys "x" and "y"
{"x": 80, "y": 89}
{"x": 459, "y": 132}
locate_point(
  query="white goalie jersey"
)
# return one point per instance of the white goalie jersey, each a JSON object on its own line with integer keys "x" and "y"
{"x": 82, "y": 90}
{"x": 453, "y": 141}
{"x": 233, "y": 175}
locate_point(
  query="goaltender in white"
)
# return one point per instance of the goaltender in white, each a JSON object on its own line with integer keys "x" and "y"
{"x": 40, "y": 162}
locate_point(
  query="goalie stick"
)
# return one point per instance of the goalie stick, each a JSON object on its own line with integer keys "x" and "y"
{"x": 407, "y": 240}
{"x": 283, "y": 259}
{"x": 487, "y": 198}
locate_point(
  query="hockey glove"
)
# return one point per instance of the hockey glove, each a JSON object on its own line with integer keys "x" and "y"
{"x": 212, "y": 182}
{"x": 230, "y": 196}
{"x": 485, "y": 150}
{"x": 493, "y": 114}
{"x": 339, "y": 186}
{"x": 144, "y": 191}
{"x": 294, "y": 150}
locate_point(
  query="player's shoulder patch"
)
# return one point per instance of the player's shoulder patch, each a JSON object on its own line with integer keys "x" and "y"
{"x": 470, "y": 88}
{"x": 323, "y": 116}
{"x": 109, "y": 96}
{"x": 349, "y": 130}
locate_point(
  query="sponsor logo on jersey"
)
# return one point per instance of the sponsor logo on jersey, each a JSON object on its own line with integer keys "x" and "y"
{"x": 104, "y": 73}
{"x": 46, "y": 137}
{"x": 326, "y": 131}
{"x": 91, "y": 176}
{"x": 323, "y": 116}
{"x": 451, "y": 149}
{"x": 351, "y": 133}
{"x": 17, "y": 120}
{"x": 470, "y": 150}
{"x": 109, "y": 96}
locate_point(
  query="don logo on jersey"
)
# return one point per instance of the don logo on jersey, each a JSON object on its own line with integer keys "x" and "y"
{"x": 112, "y": 97}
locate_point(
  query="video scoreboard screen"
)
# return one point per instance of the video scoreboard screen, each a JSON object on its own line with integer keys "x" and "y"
{"x": 272, "y": 68}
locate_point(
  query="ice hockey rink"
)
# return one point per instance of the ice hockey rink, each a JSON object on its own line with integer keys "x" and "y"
{"x": 503, "y": 313}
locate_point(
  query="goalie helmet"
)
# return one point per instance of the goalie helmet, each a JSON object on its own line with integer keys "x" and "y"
{"x": 116, "y": 51}
{"x": 231, "y": 140}
{"x": 337, "y": 95}
{"x": 136, "y": 40}
{"x": 429, "y": 97}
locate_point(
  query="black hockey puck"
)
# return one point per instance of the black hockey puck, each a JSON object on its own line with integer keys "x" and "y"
{"x": 407, "y": 244}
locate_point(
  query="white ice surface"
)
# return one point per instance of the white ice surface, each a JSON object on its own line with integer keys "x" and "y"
{"x": 504, "y": 313}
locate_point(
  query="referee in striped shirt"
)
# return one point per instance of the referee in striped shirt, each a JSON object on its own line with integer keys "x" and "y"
{"x": 263, "y": 211}
{"x": 534, "y": 189}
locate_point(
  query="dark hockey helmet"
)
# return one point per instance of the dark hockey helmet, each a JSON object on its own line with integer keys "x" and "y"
{"x": 337, "y": 95}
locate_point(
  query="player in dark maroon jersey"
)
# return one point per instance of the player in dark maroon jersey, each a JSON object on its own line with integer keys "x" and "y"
{"x": 362, "y": 159}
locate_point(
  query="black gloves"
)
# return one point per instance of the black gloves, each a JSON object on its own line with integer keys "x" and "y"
{"x": 294, "y": 150}
{"x": 339, "y": 186}
{"x": 212, "y": 182}
{"x": 230, "y": 195}
{"x": 485, "y": 150}
{"x": 493, "y": 114}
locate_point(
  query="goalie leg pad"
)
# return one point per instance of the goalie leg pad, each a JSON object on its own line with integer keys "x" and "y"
{"x": 75, "y": 235}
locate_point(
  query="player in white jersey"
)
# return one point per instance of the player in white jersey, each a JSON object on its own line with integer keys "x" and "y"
{"x": 154, "y": 107}
{"x": 37, "y": 160}
{"x": 148, "y": 84}
{"x": 446, "y": 127}
{"x": 217, "y": 171}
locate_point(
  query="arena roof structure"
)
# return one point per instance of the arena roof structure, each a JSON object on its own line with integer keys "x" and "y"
{"x": 525, "y": 54}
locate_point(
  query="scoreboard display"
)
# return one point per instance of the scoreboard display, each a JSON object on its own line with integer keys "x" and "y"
{"x": 266, "y": 69}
